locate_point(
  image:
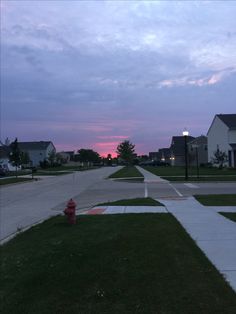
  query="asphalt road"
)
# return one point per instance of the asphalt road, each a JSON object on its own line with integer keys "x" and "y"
{"x": 23, "y": 204}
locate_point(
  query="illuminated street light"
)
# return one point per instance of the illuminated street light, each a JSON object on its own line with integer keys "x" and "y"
{"x": 185, "y": 135}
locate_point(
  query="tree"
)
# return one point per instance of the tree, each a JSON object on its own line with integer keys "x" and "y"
{"x": 25, "y": 159}
{"x": 52, "y": 157}
{"x": 88, "y": 155}
{"x": 126, "y": 151}
{"x": 15, "y": 154}
{"x": 219, "y": 158}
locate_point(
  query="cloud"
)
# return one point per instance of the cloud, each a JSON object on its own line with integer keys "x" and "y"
{"x": 132, "y": 75}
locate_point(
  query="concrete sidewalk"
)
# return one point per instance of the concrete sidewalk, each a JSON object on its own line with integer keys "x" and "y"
{"x": 213, "y": 233}
{"x": 150, "y": 177}
{"x": 106, "y": 210}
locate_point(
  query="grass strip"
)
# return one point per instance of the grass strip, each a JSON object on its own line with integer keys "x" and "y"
{"x": 134, "y": 202}
{"x": 217, "y": 199}
{"x": 180, "y": 171}
{"x": 127, "y": 172}
{"x": 231, "y": 216}
{"x": 51, "y": 173}
{"x": 14, "y": 180}
{"x": 110, "y": 264}
{"x": 202, "y": 179}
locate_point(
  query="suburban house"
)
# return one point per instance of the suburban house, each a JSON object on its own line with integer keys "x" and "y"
{"x": 222, "y": 137}
{"x": 197, "y": 151}
{"x": 177, "y": 149}
{"x": 37, "y": 151}
{"x": 162, "y": 155}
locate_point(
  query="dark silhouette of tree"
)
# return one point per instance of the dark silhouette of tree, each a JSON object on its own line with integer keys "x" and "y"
{"x": 126, "y": 151}
{"x": 25, "y": 159}
{"x": 15, "y": 155}
{"x": 219, "y": 158}
{"x": 88, "y": 155}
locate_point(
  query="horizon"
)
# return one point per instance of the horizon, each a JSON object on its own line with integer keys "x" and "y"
{"x": 93, "y": 74}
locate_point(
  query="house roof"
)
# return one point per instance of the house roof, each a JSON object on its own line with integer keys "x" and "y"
{"x": 178, "y": 144}
{"x": 42, "y": 145}
{"x": 199, "y": 140}
{"x": 228, "y": 119}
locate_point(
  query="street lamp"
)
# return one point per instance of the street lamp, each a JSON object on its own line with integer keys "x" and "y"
{"x": 185, "y": 135}
{"x": 197, "y": 161}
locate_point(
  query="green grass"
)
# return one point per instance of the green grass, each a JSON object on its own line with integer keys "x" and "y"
{"x": 110, "y": 264}
{"x": 69, "y": 168}
{"x": 127, "y": 172}
{"x": 180, "y": 171}
{"x": 14, "y": 180}
{"x": 202, "y": 179}
{"x": 51, "y": 173}
{"x": 134, "y": 202}
{"x": 231, "y": 216}
{"x": 217, "y": 199}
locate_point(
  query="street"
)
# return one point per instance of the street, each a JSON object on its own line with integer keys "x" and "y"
{"x": 27, "y": 203}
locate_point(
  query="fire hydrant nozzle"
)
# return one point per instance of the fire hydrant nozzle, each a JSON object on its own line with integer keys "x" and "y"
{"x": 70, "y": 212}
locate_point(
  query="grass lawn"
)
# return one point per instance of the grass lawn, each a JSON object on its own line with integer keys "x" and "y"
{"x": 202, "y": 179}
{"x": 144, "y": 263}
{"x": 148, "y": 201}
{"x": 127, "y": 172}
{"x": 51, "y": 173}
{"x": 14, "y": 180}
{"x": 231, "y": 216}
{"x": 217, "y": 199}
{"x": 206, "y": 174}
{"x": 69, "y": 168}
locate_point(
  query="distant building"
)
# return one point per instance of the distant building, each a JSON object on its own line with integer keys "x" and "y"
{"x": 71, "y": 154}
{"x": 37, "y": 151}
{"x": 197, "y": 151}
{"x": 177, "y": 150}
{"x": 153, "y": 156}
{"x": 165, "y": 155}
{"x": 222, "y": 136}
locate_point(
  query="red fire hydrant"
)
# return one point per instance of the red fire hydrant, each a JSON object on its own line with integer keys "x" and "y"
{"x": 70, "y": 212}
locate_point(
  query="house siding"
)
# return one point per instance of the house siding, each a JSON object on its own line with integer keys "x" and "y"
{"x": 219, "y": 137}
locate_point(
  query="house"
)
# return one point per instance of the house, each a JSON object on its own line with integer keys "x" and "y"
{"x": 197, "y": 151}
{"x": 37, "y": 151}
{"x": 222, "y": 137}
{"x": 165, "y": 155}
{"x": 177, "y": 149}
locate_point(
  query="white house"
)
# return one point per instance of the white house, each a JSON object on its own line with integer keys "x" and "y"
{"x": 38, "y": 151}
{"x": 222, "y": 136}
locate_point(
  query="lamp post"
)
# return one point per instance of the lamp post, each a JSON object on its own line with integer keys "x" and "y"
{"x": 185, "y": 135}
{"x": 197, "y": 160}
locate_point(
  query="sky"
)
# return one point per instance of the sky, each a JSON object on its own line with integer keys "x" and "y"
{"x": 91, "y": 74}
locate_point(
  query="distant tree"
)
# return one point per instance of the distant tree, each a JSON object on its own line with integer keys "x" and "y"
{"x": 219, "y": 158}
{"x": 15, "y": 155}
{"x": 52, "y": 157}
{"x": 126, "y": 151}
{"x": 25, "y": 159}
{"x": 88, "y": 155}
